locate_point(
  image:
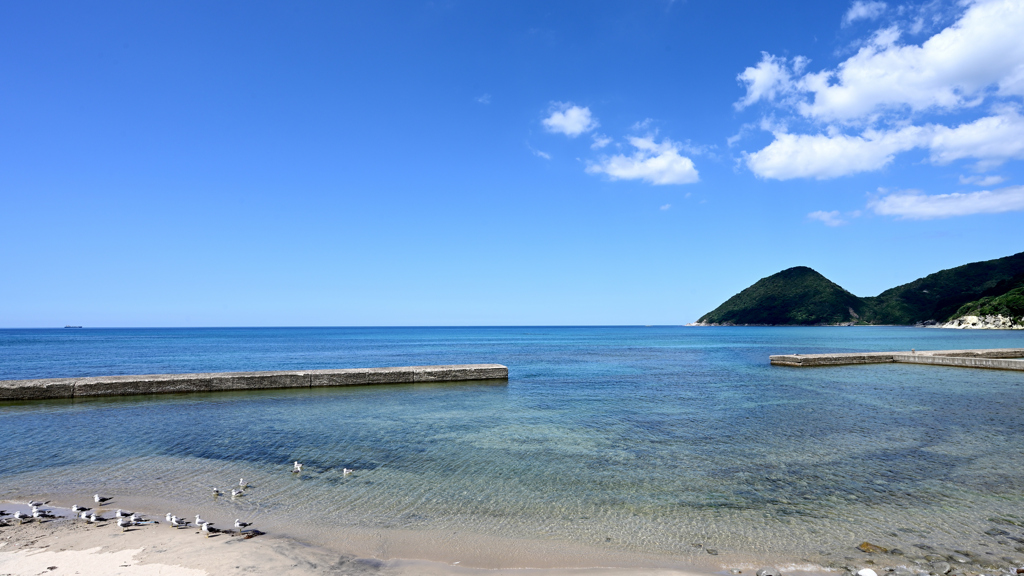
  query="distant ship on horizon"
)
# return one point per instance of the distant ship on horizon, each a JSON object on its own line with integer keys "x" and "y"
{"x": 70, "y": 326}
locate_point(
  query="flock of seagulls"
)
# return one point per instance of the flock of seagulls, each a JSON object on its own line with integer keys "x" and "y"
{"x": 126, "y": 520}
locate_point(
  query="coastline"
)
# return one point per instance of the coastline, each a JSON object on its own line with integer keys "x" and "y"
{"x": 66, "y": 545}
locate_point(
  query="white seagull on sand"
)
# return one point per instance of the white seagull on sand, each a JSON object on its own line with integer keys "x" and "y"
{"x": 206, "y": 529}
{"x": 239, "y": 524}
{"x": 20, "y": 516}
{"x": 178, "y": 522}
{"x": 123, "y": 524}
{"x": 200, "y": 521}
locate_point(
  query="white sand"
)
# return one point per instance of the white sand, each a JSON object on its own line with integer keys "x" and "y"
{"x": 73, "y": 547}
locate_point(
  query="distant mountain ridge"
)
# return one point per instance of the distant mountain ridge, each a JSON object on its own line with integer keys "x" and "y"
{"x": 801, "y": 296}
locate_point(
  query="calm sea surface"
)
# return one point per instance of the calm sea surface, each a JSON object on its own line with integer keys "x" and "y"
{"x": 626, "y": 440}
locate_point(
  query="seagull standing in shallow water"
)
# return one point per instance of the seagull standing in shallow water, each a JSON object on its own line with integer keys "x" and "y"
{"x": 297, "y": 467}
{"x": 346, "y": 471}
{"x": 236, "y": 493}
{"x": 216, "y": 491}
{"x": 242, "y": 483}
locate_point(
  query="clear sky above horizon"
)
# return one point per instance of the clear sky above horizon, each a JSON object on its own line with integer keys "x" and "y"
{"x": 493, "y": 163}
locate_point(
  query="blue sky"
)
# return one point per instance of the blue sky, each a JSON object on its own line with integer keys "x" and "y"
{"x": 468, "y": 163}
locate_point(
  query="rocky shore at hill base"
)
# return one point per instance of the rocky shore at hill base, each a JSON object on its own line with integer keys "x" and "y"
{"x": 989, "y": 322}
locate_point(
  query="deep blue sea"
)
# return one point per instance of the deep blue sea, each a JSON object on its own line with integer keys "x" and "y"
{"x": 641, "y": 442}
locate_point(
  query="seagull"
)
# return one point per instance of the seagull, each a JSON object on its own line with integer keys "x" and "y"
{"x": 297, "y": 467}
{"x": 239, "y": 524}
{"x": 236, "y": 493}
{"x": 94, "y": 518}
{"x": 168, "y": 517}
{"x": 242, "y": 483}
{"x": 135, "y": 518}
{"x": 36, "y": 503}
{"x": 206, "y": 529}
{"x": 84, "y": 516}
{"x": 346, "y": 471}
{"x": 200, "y": 521}
{"x": 77, "y": 508}
{"x": 216, "y": 491}
{"x": 121, "y": 514}
{"x": 20, "y": 516}
{"x": 123, "y": 524}
{"x": 179, "y": 522}
{"x": 99, "y": 500}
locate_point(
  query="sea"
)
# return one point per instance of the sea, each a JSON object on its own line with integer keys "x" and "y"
{"x": 634, "y": 446}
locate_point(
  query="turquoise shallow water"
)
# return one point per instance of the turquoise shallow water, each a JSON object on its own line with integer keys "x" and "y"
{"x": 626, "y": 440}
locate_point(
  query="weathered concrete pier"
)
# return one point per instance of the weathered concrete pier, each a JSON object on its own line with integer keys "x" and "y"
{"x": 55, "y": 388}
{"x": 994, "y": 358}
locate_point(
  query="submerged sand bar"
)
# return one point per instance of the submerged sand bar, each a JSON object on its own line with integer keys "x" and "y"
{"x": 53, "y": 388}
{"x": 994, "y": 358}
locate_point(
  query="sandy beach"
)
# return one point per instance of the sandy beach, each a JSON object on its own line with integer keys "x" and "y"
{"x": 64, "y": 545}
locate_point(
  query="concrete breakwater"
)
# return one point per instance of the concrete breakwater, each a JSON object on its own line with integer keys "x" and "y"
{"x": 55, "y": 388}
{"x": 994, "y": 358}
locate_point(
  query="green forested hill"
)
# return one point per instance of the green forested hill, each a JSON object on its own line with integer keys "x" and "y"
{"x": 801, "y": 296}
{"x": 798, "y": 296}
{"x": 938, "y": 296}
{"x": 1010, "y": 304}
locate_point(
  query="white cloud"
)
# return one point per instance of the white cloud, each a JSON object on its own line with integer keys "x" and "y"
{"x": 991, "y": 140}
{"x": 641, "y": 125}
{"x": 982, "y": 180}
{"x": 652, "y": 162}
{"x": 665, "y": 207}
{"x": 484, "y": 99}
{"x": 770, "y": 79}
{"x": 828, "y": 218}
{"x": 951, "y": 70}
{"x": 539, "y": 153}
{"x": 913, "y": 205}
{"x": 948, "y": 71}
{"x": 863, "y": 11}
{"x": 569, "y": 119}
{"x": 600, "y": 141}
{"x": 823, "y": 156}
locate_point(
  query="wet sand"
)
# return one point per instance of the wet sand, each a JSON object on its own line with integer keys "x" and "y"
{"x": 65, "y": 545}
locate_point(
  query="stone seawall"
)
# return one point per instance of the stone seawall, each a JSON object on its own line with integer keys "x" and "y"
{"x": 997, "y": 358}
{"x": 54, "y": 388}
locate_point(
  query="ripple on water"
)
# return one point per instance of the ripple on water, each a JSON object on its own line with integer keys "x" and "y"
{"x": 627, "y": 442}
